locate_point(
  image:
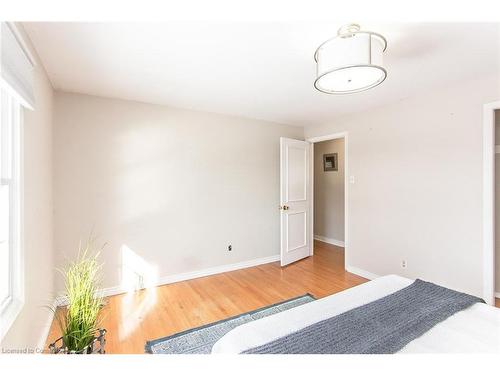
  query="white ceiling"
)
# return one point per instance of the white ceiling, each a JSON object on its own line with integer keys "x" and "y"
{"x": 257, "y": 70}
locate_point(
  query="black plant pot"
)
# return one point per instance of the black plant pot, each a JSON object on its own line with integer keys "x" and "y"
{"x": 95, "y": 347}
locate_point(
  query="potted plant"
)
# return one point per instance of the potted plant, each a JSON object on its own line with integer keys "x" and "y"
{"x": 80, "y": 320}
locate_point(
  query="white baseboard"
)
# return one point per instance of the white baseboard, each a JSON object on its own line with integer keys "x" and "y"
{"x": 106, "y": 292}
{"x": 362, "y": 273}
{"x": 218, "y": 269}
{"x": 331, "y": 241}
{"x": 497, "y": 294}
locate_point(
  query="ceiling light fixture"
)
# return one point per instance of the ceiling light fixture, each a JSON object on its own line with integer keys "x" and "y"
{"x": 350, "y": 62}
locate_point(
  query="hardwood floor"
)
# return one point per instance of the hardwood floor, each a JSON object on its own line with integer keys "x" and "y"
{"x": 132, "y": 319}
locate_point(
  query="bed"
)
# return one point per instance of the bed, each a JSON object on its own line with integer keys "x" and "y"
{"x": 473, "y": 329}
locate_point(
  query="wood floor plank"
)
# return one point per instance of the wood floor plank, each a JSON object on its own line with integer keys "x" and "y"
{"x": 132, "y": 319}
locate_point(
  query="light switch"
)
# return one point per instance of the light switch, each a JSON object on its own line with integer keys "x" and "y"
{"x": 351, "y": 179}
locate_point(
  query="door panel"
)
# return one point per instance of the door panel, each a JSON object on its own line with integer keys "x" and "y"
{"x": 295, "y": 209}
{"x": 296, "y": 169}
{"x": 296, "y": 223}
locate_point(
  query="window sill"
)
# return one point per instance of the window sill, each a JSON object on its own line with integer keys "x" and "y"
{"x": 9, "y": 315}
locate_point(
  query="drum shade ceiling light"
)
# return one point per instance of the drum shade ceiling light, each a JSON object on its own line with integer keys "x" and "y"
{"x": 350, "y": 62}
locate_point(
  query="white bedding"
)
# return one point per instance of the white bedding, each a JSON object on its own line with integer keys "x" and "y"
{"x": 476, "y": 329}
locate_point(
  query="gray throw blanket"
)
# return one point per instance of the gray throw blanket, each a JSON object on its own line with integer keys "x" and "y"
{"x": 382, "y": 326}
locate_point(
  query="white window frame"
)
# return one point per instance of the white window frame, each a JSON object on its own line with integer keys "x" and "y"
{"x": 12, "y": 306}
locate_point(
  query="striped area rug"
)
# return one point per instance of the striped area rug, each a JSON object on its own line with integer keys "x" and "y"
{"x": 201, "y": 339}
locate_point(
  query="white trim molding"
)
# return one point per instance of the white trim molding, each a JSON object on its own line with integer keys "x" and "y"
{"x": 16, "y": 65}
{"x": 170, "y": 279}
{"x": 361, "y": 272}
{"x": 15, "y": 28}
{"x": 497, "y": 294}
{"x": 331, "y": 241}
{"x": 13, "y": 177}
{"x": 489, "y": 201}
{"x": 219, "y": 269}
{"x": 328, "y": 137}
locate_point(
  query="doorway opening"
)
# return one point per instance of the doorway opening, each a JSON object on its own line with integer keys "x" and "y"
{"x": 491, "y": 209}
{"x": 329, "y": 194}
{"x": 297, "y": 176}
{"x": 328, "y": 209}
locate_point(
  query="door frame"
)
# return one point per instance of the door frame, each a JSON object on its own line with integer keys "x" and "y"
{"x": 488, "y": 125}
{"x": 312, "y": 141}
{"x": 489, "y": 292}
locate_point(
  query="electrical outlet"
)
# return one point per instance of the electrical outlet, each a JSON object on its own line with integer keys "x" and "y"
{"x": 230, "y": 248}
{"x": 403, "y": 264}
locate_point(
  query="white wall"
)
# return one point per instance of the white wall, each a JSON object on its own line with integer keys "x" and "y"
{"x": 418, "y": 185}
{"x": 329, "y": 192}
{"x": 174, "y": 186}
{"x": 31, "y": 324}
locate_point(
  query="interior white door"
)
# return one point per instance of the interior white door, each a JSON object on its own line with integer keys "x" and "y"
{"x": 294, "y": 207}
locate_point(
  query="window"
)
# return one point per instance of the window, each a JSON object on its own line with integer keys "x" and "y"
{"x": 16, "y": 90}
{"x": 11, "y": 291}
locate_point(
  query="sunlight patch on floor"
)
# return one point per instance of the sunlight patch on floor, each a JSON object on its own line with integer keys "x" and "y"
{"x": 139, "y": 279}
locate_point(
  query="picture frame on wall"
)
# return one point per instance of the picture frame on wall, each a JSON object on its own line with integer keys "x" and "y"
{"x": 330, "y": 162}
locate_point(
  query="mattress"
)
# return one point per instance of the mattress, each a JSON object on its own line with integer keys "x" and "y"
{"x": 473, "y": 330}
